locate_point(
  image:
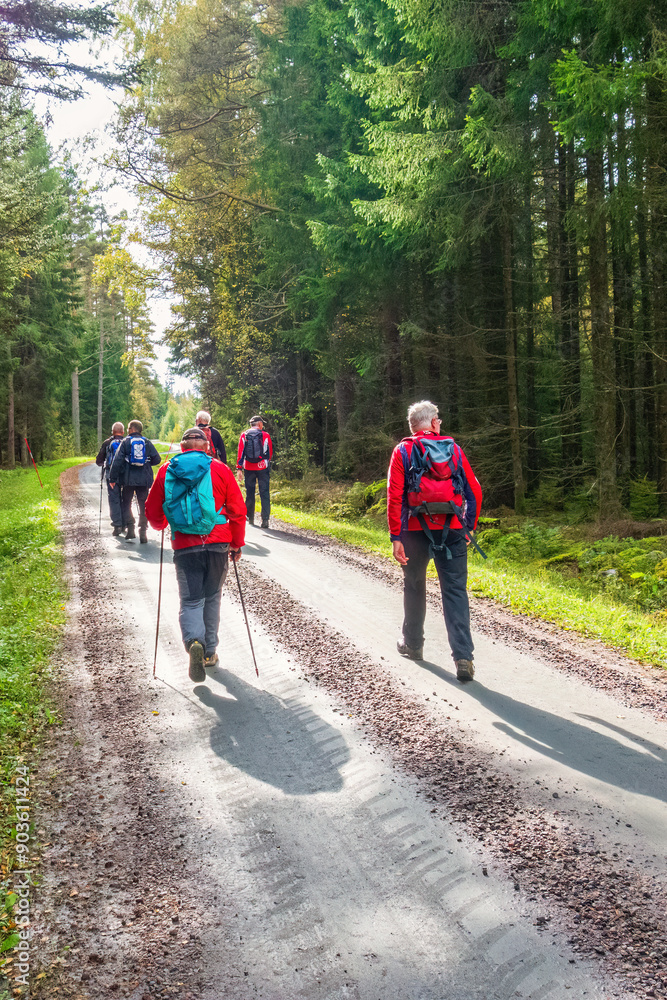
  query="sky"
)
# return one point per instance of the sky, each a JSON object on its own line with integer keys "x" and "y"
{"x": 67, "y": 125}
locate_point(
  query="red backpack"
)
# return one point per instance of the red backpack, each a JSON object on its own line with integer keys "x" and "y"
{"x": 210, "y": 450}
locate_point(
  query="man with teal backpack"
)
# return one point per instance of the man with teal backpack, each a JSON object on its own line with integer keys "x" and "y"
{"x": 201, "y": 501}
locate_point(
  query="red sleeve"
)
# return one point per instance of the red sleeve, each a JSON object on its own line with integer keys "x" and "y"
{"x": 155, "y": 499}
{"x": 226, "y": 491}
{"x": 267, "y": 437}
{"x": 240, "y": 454}
{"x": 474, "y": 486}
{"x": 395, "y": 489}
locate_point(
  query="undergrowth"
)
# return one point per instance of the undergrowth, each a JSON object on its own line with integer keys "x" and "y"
{"x": 32, "y": 614}
{"x": 612, "y": 588}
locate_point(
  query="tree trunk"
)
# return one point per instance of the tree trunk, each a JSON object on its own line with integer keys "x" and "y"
{"x": 76, "y": 422}
{"x": 570, "y": 396}
{"x": 11, "y": 454}
{"x": 602, "y": 347}
{"x": 512, "y": 380}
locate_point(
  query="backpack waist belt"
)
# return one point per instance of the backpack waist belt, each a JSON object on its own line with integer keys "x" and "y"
{"x": 450, "y": 510}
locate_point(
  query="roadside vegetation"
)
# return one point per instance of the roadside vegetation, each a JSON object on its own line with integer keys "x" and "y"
{"x": 603, "y": 583}
{"x": 32, "y": 615}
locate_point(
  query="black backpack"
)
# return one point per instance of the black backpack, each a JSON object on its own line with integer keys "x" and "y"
{"x": 252, "y": 450}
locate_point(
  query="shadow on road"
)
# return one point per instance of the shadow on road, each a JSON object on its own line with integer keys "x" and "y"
{"x": 257, "y": 734}
{"x": 577, "y": 746}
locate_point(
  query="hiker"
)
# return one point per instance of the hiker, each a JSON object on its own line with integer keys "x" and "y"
{"x": 132, "y": 473}
{"x": 254, "y": 461}
{"x": 215, "y": 445}
{"x": 201, "y": 501}
{"x": 105, "y": 457}
{"x": 430, "y": 467}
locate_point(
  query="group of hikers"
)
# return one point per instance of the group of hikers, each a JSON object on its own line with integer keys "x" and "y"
{"x": 433, "y": 504}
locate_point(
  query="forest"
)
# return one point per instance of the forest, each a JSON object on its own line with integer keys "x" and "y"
{"x": 356, "y": 205}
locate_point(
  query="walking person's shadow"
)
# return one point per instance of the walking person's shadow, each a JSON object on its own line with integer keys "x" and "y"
{"x": 258, "y": 734}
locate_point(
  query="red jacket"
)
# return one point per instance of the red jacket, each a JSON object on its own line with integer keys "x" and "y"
{"x": 267, "y": 454}
{"x": 226, "y": 492}
{"x": 398, "y": 511}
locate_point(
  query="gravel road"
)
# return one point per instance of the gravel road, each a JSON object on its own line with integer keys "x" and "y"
{"x": 352, "y": 824}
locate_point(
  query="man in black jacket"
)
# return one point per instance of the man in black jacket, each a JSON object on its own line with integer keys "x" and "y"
{"x": 105, "y": 457}
{"x": 132, "y": 470}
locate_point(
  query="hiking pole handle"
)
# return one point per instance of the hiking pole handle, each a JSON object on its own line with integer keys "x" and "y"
{"x": 247, "y": 625}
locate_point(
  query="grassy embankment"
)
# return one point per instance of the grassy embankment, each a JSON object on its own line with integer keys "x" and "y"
{"x": 32, "y": 615}
{"x": 610, "y": 589}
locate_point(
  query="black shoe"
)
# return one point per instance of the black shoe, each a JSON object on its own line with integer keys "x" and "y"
{"x": 265, "y": 524}
{"x": 143, "y": 537}
{"x": 130, "y": 532}
{"x": 196, "y": 672}
{"x": 465, "y": 670}
{"x": 412, "y": 654}
{"x": 251, "y": 518}
{"x": 117, "y": 531}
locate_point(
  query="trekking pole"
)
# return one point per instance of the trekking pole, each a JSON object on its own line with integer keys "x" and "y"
{"x": 159, "y": 601}
{"x": 99, "y": 529}
{"x": 252, "y": 649}
{"x": 33, "y": 462}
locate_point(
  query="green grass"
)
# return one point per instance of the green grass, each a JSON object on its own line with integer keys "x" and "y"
{"x": 32, "y": 615}
{"x": 527, "y": 588}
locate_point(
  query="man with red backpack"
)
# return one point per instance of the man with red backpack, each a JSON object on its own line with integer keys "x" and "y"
{"x": 254, "y": 461}
{"x": 215, "y": 446}
{"x": 433, "y": 503}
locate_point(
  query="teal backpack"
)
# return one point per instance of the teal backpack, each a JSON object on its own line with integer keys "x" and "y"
{"x": 189, "y": 505}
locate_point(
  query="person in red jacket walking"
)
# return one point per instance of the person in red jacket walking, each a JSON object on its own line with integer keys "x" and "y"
{"x": 254, "y": 461}
{"x": 202, "y": 561}
{"x": 429, "y": 470}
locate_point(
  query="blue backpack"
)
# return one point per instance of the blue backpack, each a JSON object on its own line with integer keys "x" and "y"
{"x": 137, "y": 453}
{"x": 189, "y": 504}
{"x": 112, "y": 448}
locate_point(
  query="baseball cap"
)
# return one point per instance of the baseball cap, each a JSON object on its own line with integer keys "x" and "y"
{"x": 192, "y": 433}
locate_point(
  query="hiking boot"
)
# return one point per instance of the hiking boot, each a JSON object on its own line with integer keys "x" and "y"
{"x": 143, "y": 537}
{"x": 117, "y": 531}
{"x": 130, "y": 533}
{"x": 251, "y": 518}
{"x": 196, "y": 672}
{"x": 265, "y": 524}
{"x": 465, "y": 670}
{"x": 211, "y": 660}
{"x": 412, "y": 654}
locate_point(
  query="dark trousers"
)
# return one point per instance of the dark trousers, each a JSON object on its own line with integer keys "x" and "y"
{"x": 115, "y": 496}
{"x": 128, "y": 492}
{"x": 200, "y": 575}
{"x": 453, "y": 577}
{"x": 261, "y": 477}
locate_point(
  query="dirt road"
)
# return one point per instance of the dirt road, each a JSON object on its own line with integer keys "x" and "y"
{"x": 352, "y": 824}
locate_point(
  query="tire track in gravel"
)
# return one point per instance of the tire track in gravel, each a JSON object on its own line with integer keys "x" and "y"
{"x": 611, "y": 914}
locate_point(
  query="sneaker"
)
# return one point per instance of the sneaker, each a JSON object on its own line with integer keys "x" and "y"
{"x": 130, "y": 532}
{"x": 117, "y": 531}
{"x": 196, "y": 672}
{"x": 412, "y": 654}
{"x": 211, "y": 660}
{"x": 265, "y": 524}
{"x": 143, "y": 537}
{"x": 465, "y": 670}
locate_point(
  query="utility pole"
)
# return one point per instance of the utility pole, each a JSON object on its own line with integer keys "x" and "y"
{"x": 76, "y": 423}
{"x": 100, "y": 380}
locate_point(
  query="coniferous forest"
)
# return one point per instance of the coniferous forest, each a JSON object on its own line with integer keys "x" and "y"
{"x": 360, "y": 204}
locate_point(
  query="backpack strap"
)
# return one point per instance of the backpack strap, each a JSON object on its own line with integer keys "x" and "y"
{"x": 450, "y": 510}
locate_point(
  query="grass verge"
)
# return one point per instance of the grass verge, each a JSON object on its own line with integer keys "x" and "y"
{"x": 526, "y": 589}
{"x": 32, "y": 615}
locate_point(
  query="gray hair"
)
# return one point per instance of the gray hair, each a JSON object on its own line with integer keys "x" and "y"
{"x": 421, "y": 414}
{"x": 203, "y": 416}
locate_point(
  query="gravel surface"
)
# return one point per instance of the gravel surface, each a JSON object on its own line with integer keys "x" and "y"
{"x": 125, "y": 907}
